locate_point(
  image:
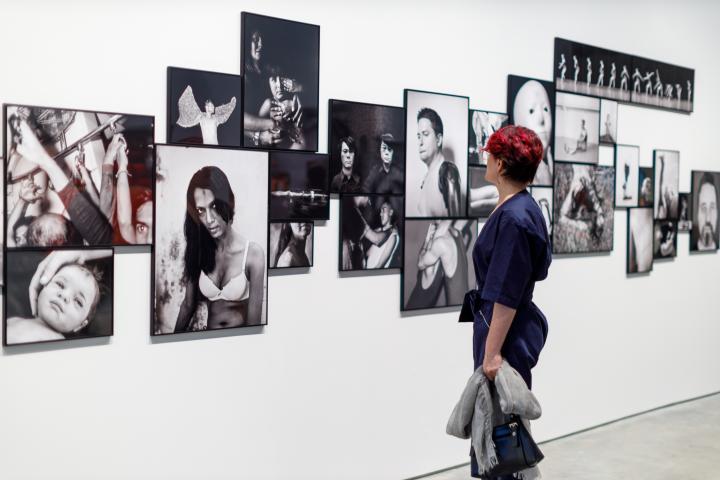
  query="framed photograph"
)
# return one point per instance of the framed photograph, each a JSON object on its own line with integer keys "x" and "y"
{"x": 608, "y": 122}
{"x": 685, "y": 218}
{"x": 203, "y": 107}
{"x": 646, "y": 186}
{"x": 583, "y": 215}
{"x": 280, "y": 65}
{"x": 444, "y": 249}
{"x": 435, "y": 160}
{"x": 75, "y": 302}
{"x": 627, "y": 175}
{"x": 291, "y": 245}
{"x": 299, "y": 186}
{"x": 371, "y": 232}
{"x": 211, "y": 238}
{"x": 577, "y": 130}
{"x": 544, "y": 198}
{"x": 483, "y": 196}
{"x": 659, "y": 84}
{"x": 367, "y": 148}
{"x": 482, "y": 124}
{"x": 77, "y": 178}
{"x": 664, "y": 239}
{"x": 531, "y": 104}
{"x": 705, "y": 236}
{"x": 581, "y": 68}
{"x": 640, "y": 234}
{"x": 666, "y": 164}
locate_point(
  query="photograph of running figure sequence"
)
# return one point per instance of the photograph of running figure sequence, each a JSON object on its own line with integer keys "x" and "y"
{"x": 583, "y": 217}
{"x": 640, "y": 234}
{"x": 577, "y": 130}
{"x": 627, "y": 174}
{"x": 58, "y": 294}
{"x": 371, "y": 230}
{"x": 666, "y": 164}
{"x": 481, "y": 125}
{"x": 662, "y": 85}
{"x": 705, "y": 235}
{"x": 77, "y": 178}
{"x": 280, "y": 65}
{"x": 291, "y": 245}
{"x": 203, "y": 107}
{"x": 437, "y": 266}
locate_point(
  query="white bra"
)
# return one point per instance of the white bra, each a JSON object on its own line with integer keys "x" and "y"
{"x": 236, "y": 289}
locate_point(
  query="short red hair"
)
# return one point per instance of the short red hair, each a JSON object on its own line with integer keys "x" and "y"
{"x": 520, "y": 150}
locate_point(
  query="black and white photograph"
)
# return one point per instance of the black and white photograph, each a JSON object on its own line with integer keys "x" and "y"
{"x": 280, "y": 65}
{"x": 544, "y": 198}
{"x": 705, "y": 236}
{"x": 640, "y": 234}
{"x": 583, "y": 213}
{"x": 371, "y": 232}
{"x": 291, "y": 245}
{"x": 608, "y": 122}
{"x": 210, "y": 262}
{"x": 627, "y": 176}
{"x": 481, "y": 125}
{"x": 581, "y": 68}
{"x": 367, "y": 148}
{"x": 646, "y": 187}
{"x": 437, "y": 266}
{"x": 78, "y": 178}
{"x": 577, "y": 129}
{"x": 483, "y": 196}
{"x": 436, "y": 159}
{"x": 58, "y": 294}
{"x": 685, "y": 215}
{"x": 664, "y": 239}
{"x": 666, "y": 188}
{"x": 299, "y": 186}
{"x": 662, "y": 85}
{"x": 531, "y": 104}
{"x": 203, "y": 107}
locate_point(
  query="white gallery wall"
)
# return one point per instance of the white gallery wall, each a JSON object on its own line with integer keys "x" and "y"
{"x": 340, "y": 385}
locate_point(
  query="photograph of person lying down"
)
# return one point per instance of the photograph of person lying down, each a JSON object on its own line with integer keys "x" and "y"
{"x": 56, "y": 295}
{"x": 78, "y": 178}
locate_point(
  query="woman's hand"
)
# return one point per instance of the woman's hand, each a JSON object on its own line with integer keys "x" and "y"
{"x": 117, "y": 144}
{"x": 491, "y": 365}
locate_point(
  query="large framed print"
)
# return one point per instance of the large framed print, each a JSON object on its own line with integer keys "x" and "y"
{"x": 481, "y": 125}
{"x": 299, "y": 186}
{"x": 627, "y": 174}
{"x": 77, "y": 177}
{"x": 577, "y": 128}
{"x": 437, "y": 266}
{"x": 436, "y": 161}
{"x": 371, "y": 232}
{"x": 531, "y": 104}
{"x": 366, "y": 143}
{"x": 211, "y": 236}
{"x": 666, "y": 188}
{"x": 57, "y": 294}
{"x": 203, "y": 107}
{"x": 280, "y": 65}
{"x": 639, "y": 240}
{"x": 583, "y": 217}
{"x": 705, "y": 197}
{"x": 291, "y": 245}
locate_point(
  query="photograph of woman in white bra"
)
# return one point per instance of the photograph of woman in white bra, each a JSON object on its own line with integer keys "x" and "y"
{"x": 217, "y": 279}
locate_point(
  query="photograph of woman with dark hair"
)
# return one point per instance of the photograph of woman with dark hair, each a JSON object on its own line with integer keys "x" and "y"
{"x": 210, "y": 264}
{"x": 290, "y": 243}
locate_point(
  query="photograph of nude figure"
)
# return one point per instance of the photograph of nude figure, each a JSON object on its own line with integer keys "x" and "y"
{"x": 436, "y": 145}
{"x": 627, "y": 175}
{"x": 577, "y": 129}
{"x": 210, "y": 264}
{"x": 666, "y": 188}
{"x": 58, "y": 294}
{"x": 639, "y": 240}
{"x": 437, "y": 266}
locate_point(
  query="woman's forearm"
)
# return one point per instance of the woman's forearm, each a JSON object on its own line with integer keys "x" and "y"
{"x": 502, "y": 318}
{"x": 124, "y": 208}
{"x": 256, "y": 274}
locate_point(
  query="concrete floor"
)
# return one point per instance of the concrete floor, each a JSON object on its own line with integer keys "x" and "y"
{"x": 678, "y": 442}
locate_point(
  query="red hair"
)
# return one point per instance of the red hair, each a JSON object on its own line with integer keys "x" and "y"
{"x": 520, "y": 150}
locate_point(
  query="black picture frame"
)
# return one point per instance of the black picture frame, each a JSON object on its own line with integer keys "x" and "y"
{"x": 672, "y": 211}
{"x": 664, "y": 232}
{"x": 496, "y": 120}
{"x": 685, "y": 220}
{"x": 633, "y": 212}
{"x": 591, "y": 155}
{"x": 678, "y": 76}
{"x": 608, "y": 139}
{"x": 458, "y": 159}
{"x": 272, "y": 263}
{"x": 548, "y": 210}
{"x": 633, "y": 169}
{"x": 696, "y": 178}
{"x": 294, "y": 61}
{"x": 205, "y": 85}
{"x": 42, "y": 252}
{"x": 646, "y": 175}
{"x": 314, "y": 197}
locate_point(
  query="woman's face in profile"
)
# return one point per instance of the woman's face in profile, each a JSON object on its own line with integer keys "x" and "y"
{"x": 300, "y": 230}
{"x": 65, "y": 302}
{"x": 206, "y": 210}
{"x": 532, "y": 110}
